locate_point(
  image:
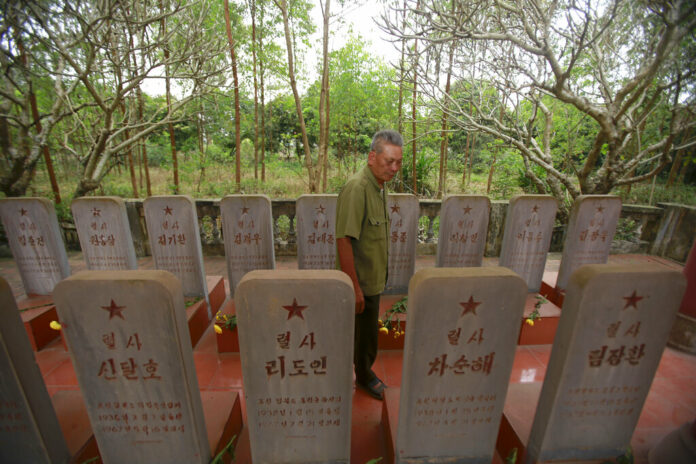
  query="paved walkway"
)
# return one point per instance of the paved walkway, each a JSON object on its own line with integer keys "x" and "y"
{"x": 670, "y": 403}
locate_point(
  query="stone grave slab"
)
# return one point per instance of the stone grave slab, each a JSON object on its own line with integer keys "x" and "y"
{"x": 128, "y": 340}
{"x": 463, "y": 228}
{"x": 403, "y": 210}
{"x": 37, "y": 246}
{"x": 316, "y": 229}
{"x": 296, "y": 339}
{"x": 32, "y": 231}
{"x": 105, "y": 236}
{"x": 591, "y": 229}
{"x": 528, "y": 228}
{"x": 29, "y": 428}
{"x": 612, "y": 332}
{"x": 461, "y": 337}
{"x": 247, "y": 228}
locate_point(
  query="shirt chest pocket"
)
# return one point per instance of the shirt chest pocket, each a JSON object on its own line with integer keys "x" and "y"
{"x": 376, "y": 228}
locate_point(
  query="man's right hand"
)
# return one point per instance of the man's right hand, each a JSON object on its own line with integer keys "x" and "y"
{"x": 345, "y": 259}
{"x": 359, "y": 300}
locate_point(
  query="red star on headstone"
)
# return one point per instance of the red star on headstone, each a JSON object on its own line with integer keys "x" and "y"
{"x": 295, "y": 309}
{"x": 467, "y": 209}
{"x": 321, "y": 209}
{"x": 395, "y": 208}
{"x": 600, "y": 209}
{"x": 632, "y": 300}
{"x": 535, "y": 208}
{"x": 245, "y": 209}
{"x": 23, "y": 212}
{"x": 470, "y": 306}
{"x": 96, "y": 212}
{"x": 167, "y": 211}
{"x": 114, "y": 310}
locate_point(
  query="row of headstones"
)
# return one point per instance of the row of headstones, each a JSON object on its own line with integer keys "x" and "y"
{"x": 126, "y": 332}
{"x": 173, "y": 230}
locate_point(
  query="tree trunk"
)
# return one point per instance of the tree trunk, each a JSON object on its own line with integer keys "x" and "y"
{"x": 442, "y": 180}
{"x": 237, "y": 116}
{"x": 413, "y": 115}
{"x": 263, "y": 101}
{"x": 252, "y": 9}
{"x": 143, "y": 144}
{"x": 677, "y": 161}
{"x": 170, "y": 126}
{"x": 401, "y": 92}
{"x": 324, "y": 99}
{"x": 313, "y": 187}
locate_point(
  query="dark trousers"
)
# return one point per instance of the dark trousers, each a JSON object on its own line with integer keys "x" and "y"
{"x": 365, "y": 347}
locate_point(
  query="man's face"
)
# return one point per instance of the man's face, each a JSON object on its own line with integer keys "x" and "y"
{"x": 386, "y": 164}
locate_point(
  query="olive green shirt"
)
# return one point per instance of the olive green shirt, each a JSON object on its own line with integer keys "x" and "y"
{"x": 361, "y": 214}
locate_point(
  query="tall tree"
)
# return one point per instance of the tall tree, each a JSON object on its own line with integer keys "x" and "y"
{"x": 324, "y": 105}
{"x": 237, "y": 112}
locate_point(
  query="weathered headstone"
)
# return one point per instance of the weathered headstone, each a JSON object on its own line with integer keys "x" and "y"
{"x": 29, "y": 428}
{"x": 403, "y": 210}
{"x": 316, "y": 229}
{"x": 296, "y": 346}
{"x": 590, "y": 231}
{"x": 172, "y": 225}
{"x": 105, "y": 237}
{"x": 463, "y": 227}
{"x": 528, "y": 229}
{"x": 247, "y": 227}
{"x": 460, "y": 344}
{"x": 613, "y": 330}
{"x": 32, "y": 231}
{"x": 128, "y": 339}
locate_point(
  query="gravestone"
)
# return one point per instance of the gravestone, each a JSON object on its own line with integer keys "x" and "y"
{"x": 296, "y": 347}
{"x": 463, "y": 227}
{"x": 105, "y": 236}
{"x": 460, "y": 344}
{"x": 613, "y": 330}
{"x": 528, "y": 228}
{"x": 247, "y": 227}
{"x": 590, "y": 231}
{"x": 31, "y": 227}
{"x": 316, "y": 229}
{"x": 403, "y": 210}
{"x": 29, "y": 428}
{"x": 172, "y": 225}
{"x": 128, "y": 340}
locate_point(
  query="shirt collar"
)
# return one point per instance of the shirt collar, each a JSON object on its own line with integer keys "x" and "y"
{"x": 371, "y": 177}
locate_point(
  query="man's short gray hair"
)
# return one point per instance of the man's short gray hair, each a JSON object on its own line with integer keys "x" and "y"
{"x": 388, "y": 136}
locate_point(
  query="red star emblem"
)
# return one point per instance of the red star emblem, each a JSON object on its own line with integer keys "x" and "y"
{"x": 632, "y": 300}
{"x": 245, "y": 210}
{"x": 295, "y": 309}
{"x": 470, "y": 306}
{"x": 167, "y": 211}
{"x": 535, "y": 209}
{"x": 600, "y": 209}
{"x": 467, "y": 209}
{"x": 321, "y": 209}
{"x": 96, "y": 212}
{"x": 395, "y": 208}
{"x": 23, "y": 212}
{"x": 114, "y": 310}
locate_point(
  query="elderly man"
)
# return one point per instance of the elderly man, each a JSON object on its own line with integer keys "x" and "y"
{"x": 362, "y": 232}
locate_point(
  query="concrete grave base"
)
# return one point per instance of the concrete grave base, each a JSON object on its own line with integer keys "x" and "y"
{"x": 550, "y": 291}
{"x": 37, "y": 312}
{"x": 74, "y": 423}
{"x": 223, "y": 419}
{"x": 390, "y": 421}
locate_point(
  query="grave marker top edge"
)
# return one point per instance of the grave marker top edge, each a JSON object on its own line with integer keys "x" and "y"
{"x": 296, "y": 274}
{"x": 461, "y": 272}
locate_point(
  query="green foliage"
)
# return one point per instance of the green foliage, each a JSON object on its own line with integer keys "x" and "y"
{"x": 426, "y": 169}
{"x": 228, "y": 450}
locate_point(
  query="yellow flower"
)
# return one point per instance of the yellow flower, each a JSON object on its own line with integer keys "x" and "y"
{"x": 55, "y": 325}
{"x": 530, "y": 322}
{"x": 218, "y": 329}
{"x": 379, "y": 321}
{"x": 384, "y": 330}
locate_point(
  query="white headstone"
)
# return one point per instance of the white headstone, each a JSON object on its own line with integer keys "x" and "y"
{"x": 247, "y": 227}
{"x": 316, "y": 229}
{"x": 29, "y": 429}
{"x": 105, "y": 236}
{"x": 590, "y": 231}
{"x": 463, "y": 228}
{"x": 32, "y": 231}
{"x": 296, "y": 347}
{"x": 175, "y": 241}
{"x": 461, "y": 336}
{"x": 129, "y": 343}
{"x": 612, "y": 332}
{"x": 403, "y": 210}
{"x": 528, "y": 229}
